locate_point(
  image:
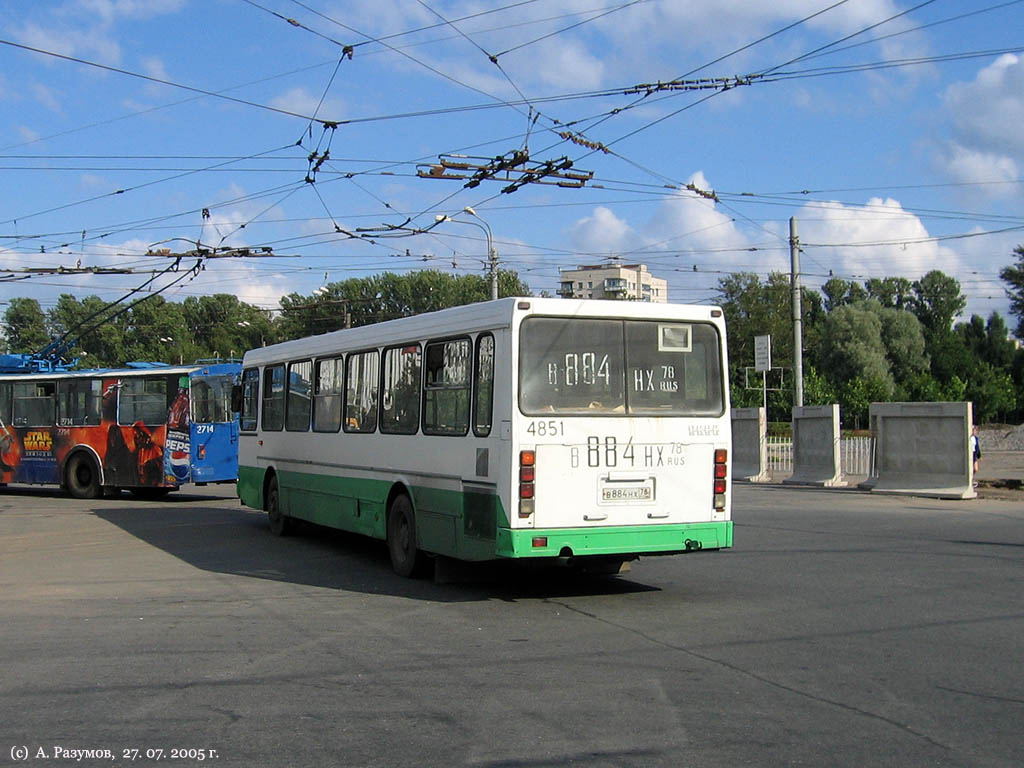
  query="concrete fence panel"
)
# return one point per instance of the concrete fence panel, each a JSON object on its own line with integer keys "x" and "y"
{"x": 922, "y": 449}
{"x": 749, "y": 444}
{"x": 816, "y": 446}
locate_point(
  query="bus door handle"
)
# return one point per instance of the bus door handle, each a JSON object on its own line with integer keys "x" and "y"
{"x": 656, "y": 515}
{"x": 593, "y": 518}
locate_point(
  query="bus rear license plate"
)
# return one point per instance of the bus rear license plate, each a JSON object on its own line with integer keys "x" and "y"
{"x": 628, "y": 493}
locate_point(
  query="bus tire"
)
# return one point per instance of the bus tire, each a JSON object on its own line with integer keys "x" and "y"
{"x": 406, "y": 559}
{"x": 82, "y": 477}
{"x": 280, "y": 523}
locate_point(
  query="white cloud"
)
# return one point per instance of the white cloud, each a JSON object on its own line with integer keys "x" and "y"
{"x": 603, "y": 234}
{"x": 985, "y": 117}
{"x": 91, "y": 181}
{"x": 567, "y": 64}
{"x": 690, "y": 223}
{"x": 304, "y": 102}
{"x": 110, "y": 10}
{"x": 72, "y": 40}
{"x": 86, "y": 28}
{"x": 46, "y": 96}
{"x": 967, "y": 165}
{"x": 875, "y": 240}
{"x": 27, "y": 134}
{"x": 155, "y": 68}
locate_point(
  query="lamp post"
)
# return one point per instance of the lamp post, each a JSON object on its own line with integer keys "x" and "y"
{"x": 246, "y": 324}
{"x": 492, "y": 255}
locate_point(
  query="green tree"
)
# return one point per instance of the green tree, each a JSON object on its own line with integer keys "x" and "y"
{"x": 221, "y": 326}
{"x": 839, "y": 292}
{"x": 818, "y": 390}
{"x": 988, "y": 341}
{"x": 992, "y": 392}
{"x": 386, "y": 296}
{"x": 853, "y": 349}
{"x": 937, "y": 301}
{"x": 856, "y": 397}
{"x": 25, "y": 326}
{"x": 903, "y": 339}
{"x": 1013, "y": 276}
{"x": 890, "y": 292}
{"x": 154, "y": 331}
{"x": 81, "y": 323}
{"x": 950, "y": 357}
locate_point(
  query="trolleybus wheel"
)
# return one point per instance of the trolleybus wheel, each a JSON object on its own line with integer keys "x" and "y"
{"x": 82, "y": 477}
{"x": 405, "y": 557}
{"x": 280, "y": 523}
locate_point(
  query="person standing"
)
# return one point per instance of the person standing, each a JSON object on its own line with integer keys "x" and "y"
{"x": 975, "y": 448}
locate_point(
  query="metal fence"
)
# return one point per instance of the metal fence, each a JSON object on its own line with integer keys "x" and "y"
{"x": 854, "y": 454}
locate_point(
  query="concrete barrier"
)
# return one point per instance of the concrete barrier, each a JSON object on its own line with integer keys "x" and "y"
{"x": 922, "y": 449}
{"x": 816, "y": 446}
{"x": 749, "y": 445}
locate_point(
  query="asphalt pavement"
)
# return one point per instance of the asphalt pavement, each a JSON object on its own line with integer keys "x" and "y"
{"x": 843, "y": 629}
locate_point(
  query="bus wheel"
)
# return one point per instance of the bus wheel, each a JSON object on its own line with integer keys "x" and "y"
{"x": 82, "y": 477}
{"x": 280, "y": 523}
{"x": 405, "y": 557}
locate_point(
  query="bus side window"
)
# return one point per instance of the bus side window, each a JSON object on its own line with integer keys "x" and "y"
{"x": 273, "y": 398}
{"x": 446, "y": 388}
{"x": 361, "y": 381}
{"x": 143, "y": 399}
{"x": 5, "y": 404}
{"x": 400, "y": 393}
{"x": 298, "y": 406}
{"x": 328, "y": 388}
{"x": 34, "y": 403}
{"x": 250, "y": 399}
{"x": 483, "y": 384}
{"x": 78, "y": 402}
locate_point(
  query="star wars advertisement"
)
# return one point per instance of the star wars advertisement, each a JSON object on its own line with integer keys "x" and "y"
{"x": 132, "y": 454}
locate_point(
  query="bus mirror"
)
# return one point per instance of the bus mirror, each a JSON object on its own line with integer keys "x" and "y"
{"x": 236, "y": 398}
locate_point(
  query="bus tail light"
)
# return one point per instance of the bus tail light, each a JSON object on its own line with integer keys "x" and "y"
{"x": 721, "y": 471}
{"x": 527, "y": 475}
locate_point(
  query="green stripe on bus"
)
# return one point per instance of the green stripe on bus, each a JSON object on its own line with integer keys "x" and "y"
{"x": 461, "y": 524}
{"x": 470, "y": 526}
{"x": 630, "y": 539}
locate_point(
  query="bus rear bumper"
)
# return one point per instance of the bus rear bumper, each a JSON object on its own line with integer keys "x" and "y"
{"x": 622, "y": 540}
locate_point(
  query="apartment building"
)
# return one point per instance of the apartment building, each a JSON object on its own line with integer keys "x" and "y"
{"x": 631, "y": 282}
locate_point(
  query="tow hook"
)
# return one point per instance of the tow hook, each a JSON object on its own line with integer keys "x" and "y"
{"x": 692, "y": 546}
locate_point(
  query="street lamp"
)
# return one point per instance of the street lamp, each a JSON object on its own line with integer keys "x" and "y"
{"x": 492, "y": 255}
{"x": 247, "y": 324}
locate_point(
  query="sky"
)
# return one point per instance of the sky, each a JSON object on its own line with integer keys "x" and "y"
{"x": 330, "y": 139}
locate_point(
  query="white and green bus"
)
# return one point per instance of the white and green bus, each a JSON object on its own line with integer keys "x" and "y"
{"x": 590, "y": 432}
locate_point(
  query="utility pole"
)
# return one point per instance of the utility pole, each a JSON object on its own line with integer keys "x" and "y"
{"x": 798, "y": 337}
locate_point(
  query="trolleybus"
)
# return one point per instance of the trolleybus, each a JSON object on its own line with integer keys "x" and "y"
{"x": 593, "y": 432}
{"x": 147, "y": 428}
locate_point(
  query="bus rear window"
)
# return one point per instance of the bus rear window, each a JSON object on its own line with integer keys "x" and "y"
{"x": 614, "y": 367}
{"x": 211, "y": 399}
